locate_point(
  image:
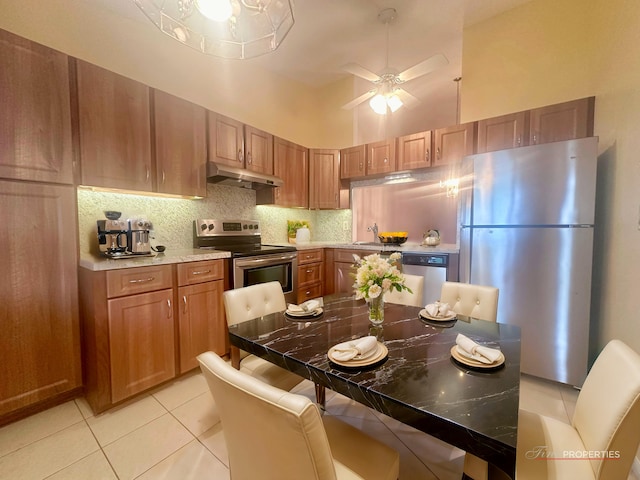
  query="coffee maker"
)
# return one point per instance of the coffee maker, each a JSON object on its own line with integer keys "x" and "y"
{"x": 112, "y": 237}
{"x": 138, "y": 238}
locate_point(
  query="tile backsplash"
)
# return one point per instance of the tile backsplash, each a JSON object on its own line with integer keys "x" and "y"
{"x": 173, "y": 218}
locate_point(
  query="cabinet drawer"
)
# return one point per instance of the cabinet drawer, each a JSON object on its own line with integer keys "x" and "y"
{"x": 310, "y": 256}
{"x": 198, "y": 272}
{"x": 308, "y": 274}
{"x": 138, "y": 280}
{"x": 341, "y": 255}
{"x": 312, "y": 291}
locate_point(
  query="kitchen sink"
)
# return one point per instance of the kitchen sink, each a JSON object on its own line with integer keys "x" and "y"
{"x": 373, "y": 244}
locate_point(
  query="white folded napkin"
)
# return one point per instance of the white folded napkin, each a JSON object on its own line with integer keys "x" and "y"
{"x": 471, "y": 349}
{"x": 437, "y": 309}
{"x": 346, "y": 351}
{"x": 308, "y": 306}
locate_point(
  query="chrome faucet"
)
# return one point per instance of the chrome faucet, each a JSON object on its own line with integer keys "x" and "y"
{"x": 374, "y": 229}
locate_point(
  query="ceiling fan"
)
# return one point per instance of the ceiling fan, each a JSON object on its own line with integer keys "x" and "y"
{"x": 387, "y": 92}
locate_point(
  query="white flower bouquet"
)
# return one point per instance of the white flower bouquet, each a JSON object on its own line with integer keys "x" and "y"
{"x": 376, "y": 275}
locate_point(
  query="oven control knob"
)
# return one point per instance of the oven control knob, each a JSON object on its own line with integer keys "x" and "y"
{"x": 203, "y": 226}
{"x": 244, "y": 226}
{"x": 255, "y": 226}
{"x": 211, "y": 226}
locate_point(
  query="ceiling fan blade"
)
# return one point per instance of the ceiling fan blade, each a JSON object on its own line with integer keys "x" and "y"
{"x": 408, "y": 100}
{"x": 424, "y": 67}
{"x": 357, "y": 101}
{"x": 360, "y": 71}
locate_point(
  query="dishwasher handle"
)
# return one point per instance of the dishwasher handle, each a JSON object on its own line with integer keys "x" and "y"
{"x": 426, "y": 259}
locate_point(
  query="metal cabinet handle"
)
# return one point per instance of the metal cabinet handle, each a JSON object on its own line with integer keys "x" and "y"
{"x": 201, "y": 272}
{"x": 309, "y": 271}
{"x": 249, "y": 158}
{"x": 386, "y": 160}
{"x": 148, "y": 174}
{"x": 184, "y": 300}
{"x": 163, "y": 176}
{"x": 142, "y": 280}
{"x": 438, "y": 153}
{"x": 240, "y": 155}
{"x": 535, "y": 138}
{"x": 360, "y": 166}
{"x": 519, "y": 140}
{"x": 426, "y": 156}
{"x": 169, "y": 313}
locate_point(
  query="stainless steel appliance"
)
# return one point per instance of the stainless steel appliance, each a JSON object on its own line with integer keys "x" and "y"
{"x": 528, "y": 230}
{"x": 435, "y": 268}
{"x": 112, "y": 237}
{"x": 251, "y": 261}
{"x": 138, "y": 236}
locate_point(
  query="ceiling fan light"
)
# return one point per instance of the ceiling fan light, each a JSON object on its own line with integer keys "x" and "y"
{"x": 394, "y": 102}
{"x": 216, "y": 10}
{"x": 378, "y": 104}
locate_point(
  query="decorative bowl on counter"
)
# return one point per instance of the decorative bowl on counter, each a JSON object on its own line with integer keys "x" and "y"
{"x": 395, "y": 238}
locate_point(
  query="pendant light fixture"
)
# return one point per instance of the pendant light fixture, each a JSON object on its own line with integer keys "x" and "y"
{"x": 235, "y": 29}
{"x": 386, "y": 97}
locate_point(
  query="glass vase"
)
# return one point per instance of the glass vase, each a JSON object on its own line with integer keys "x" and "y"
{"x": 376, "y": 310}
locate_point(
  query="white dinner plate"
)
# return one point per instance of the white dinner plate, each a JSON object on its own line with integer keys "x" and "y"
{"x": 380, "y": 353}
{"x": 446, "y": 318}
{"x": 318, "y": 311}
{"x": 475, "y": 363}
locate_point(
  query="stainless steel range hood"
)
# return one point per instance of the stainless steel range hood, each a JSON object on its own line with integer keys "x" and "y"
{"x": 239, "y": 177}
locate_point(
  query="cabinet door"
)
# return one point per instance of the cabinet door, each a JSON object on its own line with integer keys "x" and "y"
{"x": 414, "y": 151}
{"x": 141, "y": 347}
{"x": 499, "y": 133}
{"x": 452, "y": 144}
{"x": 181, "y": 145}
{"x": 343, "y": 281}
{"x": 40, "y": 341}
{"x": 564, "y": 121}
{"x": 35, "y": 124}
{"x": 259, "y": 150}
{"x": 226, "y": 140}
{"x": 202, "y": 325}
{"x": 381, "y": 157}
{"x": 114, "y": 130}
{"x": 291, "y": 164}
{"x": 352, "y": 162}
{"x": 325, "y": 191}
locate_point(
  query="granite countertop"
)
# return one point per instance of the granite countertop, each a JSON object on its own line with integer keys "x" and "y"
{"x": 97, "y": 263}
{"x": 407, "y": 247}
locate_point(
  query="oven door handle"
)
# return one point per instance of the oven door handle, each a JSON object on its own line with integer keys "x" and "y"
{"x": 264, "y": 260}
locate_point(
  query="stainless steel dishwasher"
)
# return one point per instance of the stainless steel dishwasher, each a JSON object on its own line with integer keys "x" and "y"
{"x": 436, "y": 268}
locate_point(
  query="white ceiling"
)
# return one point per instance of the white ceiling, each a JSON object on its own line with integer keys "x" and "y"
{"x": 330, "y": 33}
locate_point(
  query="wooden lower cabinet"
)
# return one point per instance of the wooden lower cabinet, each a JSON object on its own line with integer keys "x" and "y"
{"x": 141, "y": 342}
{"x": 310, "y": 274}
{"x": 343, "y": 268}
{"x": 201, "y": 322}
{"x": 40, "y": 341}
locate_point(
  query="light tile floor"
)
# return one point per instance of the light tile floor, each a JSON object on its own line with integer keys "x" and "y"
{"x": 174, "y": 433}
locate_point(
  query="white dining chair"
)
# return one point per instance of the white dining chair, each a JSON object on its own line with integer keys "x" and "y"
{"x": 416, "y": 284}
{"x": 272, "y": 434}
{"x": 477, "y": 301}
{"x": 242, "y": 304}
{"x": 606, "y": 419}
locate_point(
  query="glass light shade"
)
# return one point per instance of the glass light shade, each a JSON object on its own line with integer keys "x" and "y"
{"x": 394, "y": 102}
{"x": 216, "y": 10}
{"x": 378, "y": 104}
{"x": 255, "y": 27}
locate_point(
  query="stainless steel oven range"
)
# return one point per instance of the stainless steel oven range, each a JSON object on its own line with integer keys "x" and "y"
{"x": 251, "y": 261}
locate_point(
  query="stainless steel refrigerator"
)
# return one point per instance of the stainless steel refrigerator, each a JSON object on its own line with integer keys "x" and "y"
{"x": 527, "y": 228}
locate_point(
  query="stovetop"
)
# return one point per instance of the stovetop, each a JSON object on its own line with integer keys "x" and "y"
{"x": 238, "y": 251}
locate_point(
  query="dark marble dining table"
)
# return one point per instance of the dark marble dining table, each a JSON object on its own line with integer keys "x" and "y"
{"x": 419, "y": 383}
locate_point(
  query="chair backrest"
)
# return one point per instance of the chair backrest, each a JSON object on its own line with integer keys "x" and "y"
{"x": 270, "y": 433}
{"x": 477, "y": 301}
{"x": 254, "y": 301}
{"x": 607, "y": 413}
{"x": 416, "y": 284}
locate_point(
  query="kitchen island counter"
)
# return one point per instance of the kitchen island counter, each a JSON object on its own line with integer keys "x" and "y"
{"x": 98, "y": 263}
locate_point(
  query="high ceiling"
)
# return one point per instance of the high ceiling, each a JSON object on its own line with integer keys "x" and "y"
{"x": 328, "y": 34}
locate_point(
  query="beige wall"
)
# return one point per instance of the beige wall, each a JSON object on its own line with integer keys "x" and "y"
{"x": 138, "y": 50}
{"x": 549, "y": 51}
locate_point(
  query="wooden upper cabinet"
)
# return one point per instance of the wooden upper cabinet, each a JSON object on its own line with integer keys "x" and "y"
{"x": 506, "y": 131}
{"x": 563, "y": 121}
{"x": 452, "y": 144}
{"x": 353, "y": 162}
{"x": 180, "y": 137}
{"x": 258, "y": 150}
{"x": 381, "y": 157}
{"x": 226, "y": 140}
{"x": 291, "y": 164}
{"x": 414, "y": 151}
{"x": 35, "y": 124}
{"x": 114, "y": 129}
{"x": 325, "y": 190}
